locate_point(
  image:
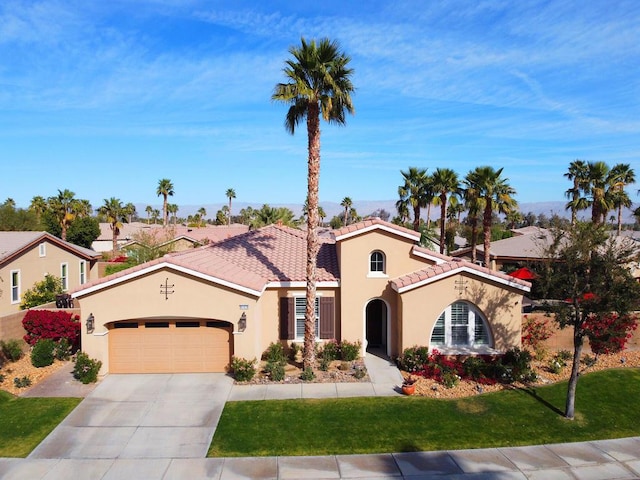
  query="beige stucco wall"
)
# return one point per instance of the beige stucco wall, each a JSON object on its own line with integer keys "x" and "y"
{"x": 33, "y": 268}
{"x": 141, "y": 298}
{"x": 358, "y": 288}
{"x": 501, "y": 306}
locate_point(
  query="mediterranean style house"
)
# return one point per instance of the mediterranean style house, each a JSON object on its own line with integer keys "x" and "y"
{"x": 191, "y": 311}
{"x": 25, "y": 258}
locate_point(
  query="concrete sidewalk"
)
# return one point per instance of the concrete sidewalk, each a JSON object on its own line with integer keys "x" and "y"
{"x": 601, "y": 460}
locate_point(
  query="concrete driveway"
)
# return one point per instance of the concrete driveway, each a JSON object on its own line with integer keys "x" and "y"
{"x": 142, "y": 416}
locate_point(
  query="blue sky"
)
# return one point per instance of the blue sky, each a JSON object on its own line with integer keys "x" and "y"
{"x": 106, "y": 98}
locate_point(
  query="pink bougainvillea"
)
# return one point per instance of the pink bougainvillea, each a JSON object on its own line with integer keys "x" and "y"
{"x": 609, "y": 333}
{"x": 54, "y": 325}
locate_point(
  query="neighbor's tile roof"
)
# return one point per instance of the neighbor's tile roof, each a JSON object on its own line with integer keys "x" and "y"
{"x": 435, "y": 271}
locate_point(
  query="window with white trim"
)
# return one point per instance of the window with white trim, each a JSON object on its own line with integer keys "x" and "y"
{"x": 42, "y": 249}
{"x": 300, "y": 308}
{"x": 377, "y": 263}
{"x": 460, "y": 325}
{"x": 83, "y": 272}
{"x": 64, "y": 276}
{"x": 15, "y": 286}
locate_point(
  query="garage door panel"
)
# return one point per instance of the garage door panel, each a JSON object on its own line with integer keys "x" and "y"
{"x": 169, "y": 349}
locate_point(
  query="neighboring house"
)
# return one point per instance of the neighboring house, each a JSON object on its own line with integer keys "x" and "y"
{"x": 191, "y": 311}
{"x": 174, "y": 237}
{"x": 526, "y": 246}
{"x": 25, "y": 258}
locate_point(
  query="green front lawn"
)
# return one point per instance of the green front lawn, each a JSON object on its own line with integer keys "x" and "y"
{"x": 606, "y": 407}
{"x": 25, "y": 422}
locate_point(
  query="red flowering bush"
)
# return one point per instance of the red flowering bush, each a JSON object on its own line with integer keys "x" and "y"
{"x": 536, "y": 330}
{"x": 54, "y": 325}
{"x": 610, "y": 332}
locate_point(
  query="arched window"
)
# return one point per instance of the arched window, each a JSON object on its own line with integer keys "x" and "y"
{"x": 377, "y": 262}
{"x": 461, "y": 325}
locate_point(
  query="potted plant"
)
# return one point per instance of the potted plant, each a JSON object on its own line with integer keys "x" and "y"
{"x": 409, "y": 385}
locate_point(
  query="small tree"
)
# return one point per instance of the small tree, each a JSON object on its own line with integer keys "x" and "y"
{"x": 590, "y": 271}
{"x": 42, "y": 292}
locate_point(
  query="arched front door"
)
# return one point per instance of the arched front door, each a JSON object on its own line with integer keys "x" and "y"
{"x": 376, "y": 320}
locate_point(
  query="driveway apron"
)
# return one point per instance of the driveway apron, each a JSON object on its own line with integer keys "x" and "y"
{"x": 142, "y": 416}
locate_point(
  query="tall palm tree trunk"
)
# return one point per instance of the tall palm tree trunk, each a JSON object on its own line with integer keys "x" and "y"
{"x": 443, "y": 216}
{"x": 313, "y": 180}
{"x": 486, "y": 230}
{"x": 474, "y": 234}
{"x": 416, "y": 218}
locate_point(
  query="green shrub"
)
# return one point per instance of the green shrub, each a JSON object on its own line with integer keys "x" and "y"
{"x": 350, "y": 351}
{"x": 360, "y": 373}
{"x": 86, "y": 369}
{"x": 589, "y": 361}
{"x": 12, "y": 349}
{"x": 564, "y": 355}
{"x": 474, "y": 367}
{"x": 42, "y": 353}
{"x": 42, "y": 292}
{"x": 22, "y": 382}
{"x": 62, "y": 350}
{"x": 275, "y": 354}
{"x": 1, "y": 377}
{"x": 555, "y": 366}
{"x": 324, "y": 364}
{"x": 413, "y": 358}
{"x": 307, "y": 375}
{"x": 294, "y": 350}
{"x": 518, "y": 363}
{"x": 330, "y": 351}
{"x": 275, "y": 371}
{"x": 243, "y": 370}
{"x": 450, "y": 379}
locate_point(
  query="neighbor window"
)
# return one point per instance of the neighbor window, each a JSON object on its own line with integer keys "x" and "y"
{"x": 377, "y": 263}
{"x": 15, "y": 286}
{"x": 460, "y": 325}
{"x": 301, "y": 306}
{"x": 64, "y": 276}
{"x": 42, "y": 249}
{"x": 83, "y": 272}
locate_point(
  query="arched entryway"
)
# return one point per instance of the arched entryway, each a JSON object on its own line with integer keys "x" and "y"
{"x": 376, "y": 315}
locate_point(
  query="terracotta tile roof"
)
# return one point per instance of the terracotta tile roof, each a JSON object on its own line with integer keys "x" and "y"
{"x": 250, "y": 260}
{"x": 455, "y": 264}
{"x": 372, "y": 223}
{"x": 214, "y": 233}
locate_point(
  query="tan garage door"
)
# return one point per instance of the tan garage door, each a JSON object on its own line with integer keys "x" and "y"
{"x": 169, "y": 346}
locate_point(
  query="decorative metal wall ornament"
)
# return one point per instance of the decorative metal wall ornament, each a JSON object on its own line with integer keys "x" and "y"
{"x": 461, "y": 285}
{"x": 166, "y": 289}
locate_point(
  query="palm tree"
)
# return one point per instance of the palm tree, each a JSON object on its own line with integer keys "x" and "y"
{"x": 318, "y": 83}
{"x": 130, "y": 211}
{"x": 38, "y": 206}
{"x": 231, "y": 193}
{"x": 621, "y": 175}
{"x": 444, "y": 182}
{"x": 155, "y": 215}
{"x": 414, "y": 192}
{"x": 598, "y": 184}
{"x": 115, "y": 213}
{"x": 64, "y": 208}
{"x": 402, "y": 206}
{"x": 497, "y": 195}
{"x": 322, "y": 214}
{"x": 149, "y": 210}
{"x": 83, "y": 208}
{"x": 173, "y": 208}
{"x": 165, "y": 188}
{"x": 202, "y": 212}
{"x": 474, "y": 205}
{"x": 347, "y": 204}
{"x": 578, "y": 173}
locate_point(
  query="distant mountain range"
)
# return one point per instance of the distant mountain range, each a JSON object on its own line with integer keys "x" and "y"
{"x": 366, "y": 207}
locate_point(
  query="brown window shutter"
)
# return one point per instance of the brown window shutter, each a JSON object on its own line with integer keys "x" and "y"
{"x": 327, "y": 318}
{"x": 287, "y": 319}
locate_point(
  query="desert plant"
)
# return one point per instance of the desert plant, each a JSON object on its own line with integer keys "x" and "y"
{"x": 360, "y": 373}
{"x": 350, "y": 351}
{"x": 518, "y": 363}
{"x": 86, "y": 368}
{"x": 450, "y": 379}
{"x": 243, "y": 369}
{"x": 324, "y": 364}
{"x": 307, "y": 375}
{"x": 275, "y": 371}
{"x": 330, "y": 351}
{"x": 413, "y": 358}
{"x": 62, "y": 350}
{"x": 474, "y": 367}
{"x": 275, "y": 354}
{"x": 22, "y": 382}
{"x": 42, "y": 353}
{"x": 294, "y": 350}
{"x": 12, "y": 349}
